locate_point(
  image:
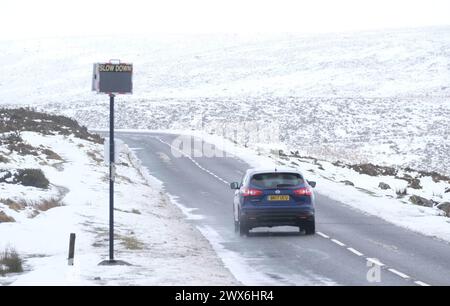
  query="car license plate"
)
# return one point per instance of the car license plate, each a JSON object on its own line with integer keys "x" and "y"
{"x": 278, "y": 198}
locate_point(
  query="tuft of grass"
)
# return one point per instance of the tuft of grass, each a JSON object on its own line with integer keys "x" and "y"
{"x": 94, "y": 156}
{"x": 10, "y": 262}
{"x": 5, "y": 218}
{"x": 51, "y": 155}
{"x": 401, "y": 192}
{"x": 131, "y": 243}
{"x": 14, "y": 205}
{"x": 48, "y": 204}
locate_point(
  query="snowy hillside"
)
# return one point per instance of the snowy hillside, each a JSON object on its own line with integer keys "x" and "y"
{"x": 380, "y": 97}
{"x": 53, "y": 182}
{"x": 368, "y": 64}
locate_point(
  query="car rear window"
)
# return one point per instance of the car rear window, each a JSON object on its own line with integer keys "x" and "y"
{"x": 276, "y": 180}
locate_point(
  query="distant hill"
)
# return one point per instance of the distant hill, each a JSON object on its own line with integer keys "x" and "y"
{"x": 367, "y": 64}
{"x": 380, "y": 97}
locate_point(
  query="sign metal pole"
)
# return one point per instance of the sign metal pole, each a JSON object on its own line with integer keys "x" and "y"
{"x": 111, "y": 177}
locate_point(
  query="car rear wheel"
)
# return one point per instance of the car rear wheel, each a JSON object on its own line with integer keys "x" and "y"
{"x": 243, "y": 229}
{"x": 309, "y": 227}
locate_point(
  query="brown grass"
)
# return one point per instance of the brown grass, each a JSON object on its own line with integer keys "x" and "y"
{"x": 48, "y": 204}
{"x": 94, "y": 156}
{"x": 5, "y": 218}
{"x": 131, "y": 243}
{"x": 51, "y": 155}
{"x": 14, "y": 205}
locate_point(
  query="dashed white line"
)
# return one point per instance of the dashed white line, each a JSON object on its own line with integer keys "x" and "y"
{"x": 375, "y": 261}
{"x": 323, "y": 235}
{"x": 338, "y": 242}
{"x": 355, "y": 252}
{"x": 402, "y": 275}
{"x": 421, "y": 284}
{"x": 194, "y": 161}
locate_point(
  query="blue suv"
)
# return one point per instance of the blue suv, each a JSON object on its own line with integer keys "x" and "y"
{"x": 273, "y": 198}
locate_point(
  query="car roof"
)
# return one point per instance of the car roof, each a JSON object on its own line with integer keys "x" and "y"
{"x": 253, "y": 171}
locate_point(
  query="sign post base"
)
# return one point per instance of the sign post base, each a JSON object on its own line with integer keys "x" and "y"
{"x": 114, "y": 263}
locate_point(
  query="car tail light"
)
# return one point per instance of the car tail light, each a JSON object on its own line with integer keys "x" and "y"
{"x": 304, "y": 191}
{"x": 250, "y": 192}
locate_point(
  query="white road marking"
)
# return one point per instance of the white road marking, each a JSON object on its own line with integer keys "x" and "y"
{"x": 338, "y": 242}
{"x": 402, "y": 275}
{"x": 375, "y": 261}
{"x": 323, "y": 235}
{"x": 355, "y": 251}
{"x": 421, "y": 283}
{"x": 194, "y": 161}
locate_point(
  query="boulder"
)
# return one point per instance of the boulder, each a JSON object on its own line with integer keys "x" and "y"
{"x": 347, "y": 182}
{"x": 415, "y": 184}
{"x": 445, "y": 206}
{"x": 418, "y": 200}
{"x": 383, "y": 186}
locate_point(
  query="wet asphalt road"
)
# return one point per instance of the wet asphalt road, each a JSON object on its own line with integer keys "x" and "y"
{"x": 337, "y": 254}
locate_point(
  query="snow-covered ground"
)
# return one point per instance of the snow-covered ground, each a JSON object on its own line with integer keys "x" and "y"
{"x": 151, "y": 232}
{"x": 380, "y": 97}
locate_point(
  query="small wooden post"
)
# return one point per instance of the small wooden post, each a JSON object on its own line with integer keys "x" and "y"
{"x": 71, "y": 249}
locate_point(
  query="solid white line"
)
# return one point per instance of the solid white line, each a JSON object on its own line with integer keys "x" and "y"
{"x": 323, "y": 235}
{"x": 355, "y": 251}
{"x": 403, "y": 275}
{"x": 375, "y": 261}
{"x": 338, "y": 242}
{"x": 421, "y": 283}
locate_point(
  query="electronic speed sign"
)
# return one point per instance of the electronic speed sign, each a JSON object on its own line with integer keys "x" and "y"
{"x": 113, "y": 78}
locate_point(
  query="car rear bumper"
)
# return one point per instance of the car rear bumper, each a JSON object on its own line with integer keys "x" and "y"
{"x": 255, "y": 217}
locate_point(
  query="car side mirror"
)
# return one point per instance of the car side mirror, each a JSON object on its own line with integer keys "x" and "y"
{"x": 235, "y": 185}
{"x": 312, "y": 183}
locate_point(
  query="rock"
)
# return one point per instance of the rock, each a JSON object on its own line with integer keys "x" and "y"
{"x": 374, "y": 170}
{"x": 338, "y": 164}
{"x": 417, "y": 200}
{"x": 347, "y": 182}
{"x": 384, "y": 186}
{"x": 436, "y": 177}
{"x": 445, "y": 206}
{"x": 415, "y": 183}
{"x": 447, "y": 190}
